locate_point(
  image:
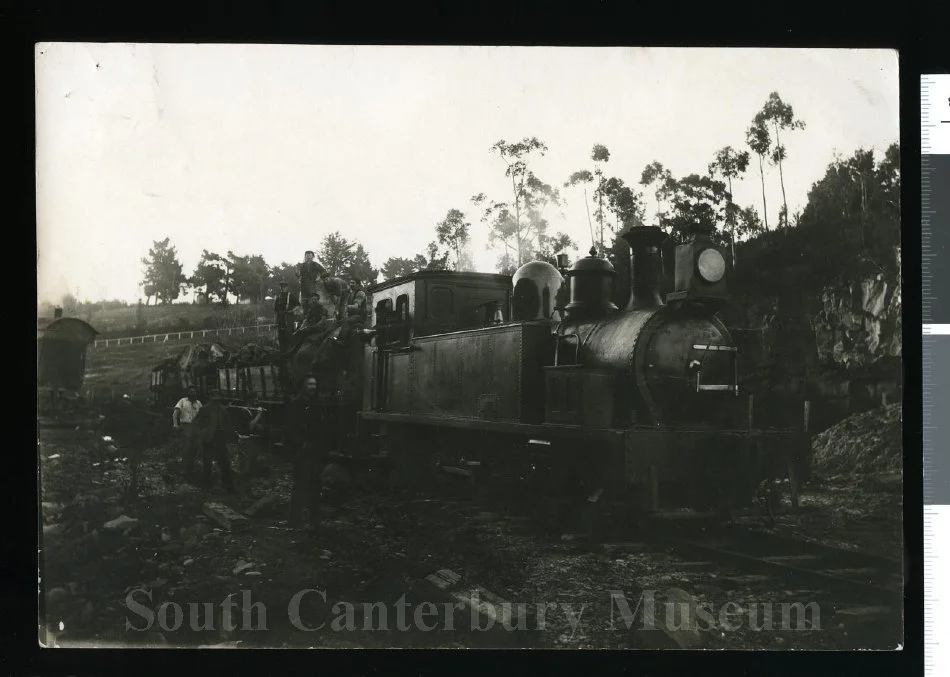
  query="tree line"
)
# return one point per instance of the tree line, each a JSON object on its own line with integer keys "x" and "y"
{"x": 518, "y": 223}
{"x": 217, "y": 277}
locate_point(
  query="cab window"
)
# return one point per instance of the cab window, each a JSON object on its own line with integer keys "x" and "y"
{"x": 384, "y": 311}
{"x": 441, "y": 303}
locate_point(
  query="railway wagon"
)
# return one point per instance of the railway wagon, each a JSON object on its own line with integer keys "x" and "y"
{"x": 263, "y": 381}
{"x": 193, "y": 366}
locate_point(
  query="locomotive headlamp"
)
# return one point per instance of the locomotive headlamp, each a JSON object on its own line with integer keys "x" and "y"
{"x": 711, "y": 265}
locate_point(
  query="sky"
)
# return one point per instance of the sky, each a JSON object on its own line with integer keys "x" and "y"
{"x": 267, "y": 148}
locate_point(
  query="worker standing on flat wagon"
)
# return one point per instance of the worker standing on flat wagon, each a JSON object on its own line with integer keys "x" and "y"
{"x": 355, "y": 309}
{"x": 304, "y": 436}
{"x": 183, "y": 415}
{"x": 309, "y": 273}
{"x": 284, "y": 305}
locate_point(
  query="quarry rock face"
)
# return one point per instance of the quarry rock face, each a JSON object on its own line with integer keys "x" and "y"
{"x": 841, "y": 344}
{"x": 858, "y": 324}
{"x": 853, "y": 324}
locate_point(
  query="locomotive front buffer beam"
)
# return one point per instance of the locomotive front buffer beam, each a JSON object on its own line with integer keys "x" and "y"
{"x": 717, "y": 471}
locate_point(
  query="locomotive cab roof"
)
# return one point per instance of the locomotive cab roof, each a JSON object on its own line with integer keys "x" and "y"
{"x": 439, "y": 301}
{"x": 448, "y": 275}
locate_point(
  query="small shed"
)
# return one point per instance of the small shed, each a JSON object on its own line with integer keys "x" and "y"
{"x": 61, "y": 352}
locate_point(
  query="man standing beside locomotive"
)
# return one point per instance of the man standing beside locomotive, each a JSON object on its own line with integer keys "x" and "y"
{"x": 309, "y": 272}
{"x": 216, "y": 430}
{"x": 183, "y": 414}
{"x": 303, "y": 434}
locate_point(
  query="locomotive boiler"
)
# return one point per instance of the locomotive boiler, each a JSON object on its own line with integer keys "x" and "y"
{"x": 638, "y": 409}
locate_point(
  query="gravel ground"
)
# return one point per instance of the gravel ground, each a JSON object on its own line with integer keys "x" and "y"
{"x": 102, "y": 542}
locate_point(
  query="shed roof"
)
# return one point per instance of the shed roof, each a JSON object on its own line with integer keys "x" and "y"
{"x": 67, "y": 329}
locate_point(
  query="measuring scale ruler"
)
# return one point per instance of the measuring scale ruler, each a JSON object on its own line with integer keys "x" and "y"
{"x": 935, "y": 241}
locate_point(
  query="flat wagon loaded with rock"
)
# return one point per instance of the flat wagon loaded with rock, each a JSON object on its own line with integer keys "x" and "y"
{"x": 206, "y": 366}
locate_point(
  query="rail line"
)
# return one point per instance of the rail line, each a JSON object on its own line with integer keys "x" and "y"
{"x": 862, "y": 591}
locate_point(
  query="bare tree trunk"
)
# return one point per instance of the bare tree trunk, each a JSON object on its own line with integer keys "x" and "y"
{"x": 781, "y": 177}
{"x": 600, "y": 210}
{"x": 765, "y": 208}
{"x": 732, "y": 223}
{"x": 514, "y": 190}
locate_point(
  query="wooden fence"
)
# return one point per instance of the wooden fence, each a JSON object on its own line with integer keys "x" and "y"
{"x": 257, "y": 329}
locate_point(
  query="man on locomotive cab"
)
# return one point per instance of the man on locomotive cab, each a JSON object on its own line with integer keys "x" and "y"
{"x": 284, "y": 304}
{"x": 316, "y": 313}
{"x": 309, "y": 273}
{"x": 303, "y": 435}
{"x": 355, "y": 309}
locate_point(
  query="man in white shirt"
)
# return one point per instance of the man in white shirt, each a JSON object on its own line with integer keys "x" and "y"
{"x": 182, "y": 415}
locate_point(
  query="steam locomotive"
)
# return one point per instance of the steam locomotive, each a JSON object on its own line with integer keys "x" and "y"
{"x": 487, "y": 376}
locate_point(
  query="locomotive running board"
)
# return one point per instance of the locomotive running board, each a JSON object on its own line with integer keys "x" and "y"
{"x": 552, "y": 431}
{"x": 529, "y": 429}
{"x": 452, "y": 470}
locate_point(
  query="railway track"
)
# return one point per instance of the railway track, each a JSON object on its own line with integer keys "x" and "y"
{"x": 860, "y": 594}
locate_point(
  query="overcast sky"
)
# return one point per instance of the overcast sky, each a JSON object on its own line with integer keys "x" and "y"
{"x": 265, "y": 149}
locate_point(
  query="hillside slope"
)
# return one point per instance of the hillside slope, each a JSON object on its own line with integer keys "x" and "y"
{"x": 132, "y": 321}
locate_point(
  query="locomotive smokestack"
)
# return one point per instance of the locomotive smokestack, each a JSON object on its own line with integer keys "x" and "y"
{"x": 647, "y": 266}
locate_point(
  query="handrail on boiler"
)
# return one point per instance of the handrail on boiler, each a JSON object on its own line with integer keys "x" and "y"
{"x": 557, "y": 346}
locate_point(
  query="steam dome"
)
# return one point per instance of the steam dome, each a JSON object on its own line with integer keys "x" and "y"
{"x": 592, "y": 279}
{"x": 535, "y": 285}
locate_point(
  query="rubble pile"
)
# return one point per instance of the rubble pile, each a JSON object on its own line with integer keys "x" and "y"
{"x": 862, "y": 444}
